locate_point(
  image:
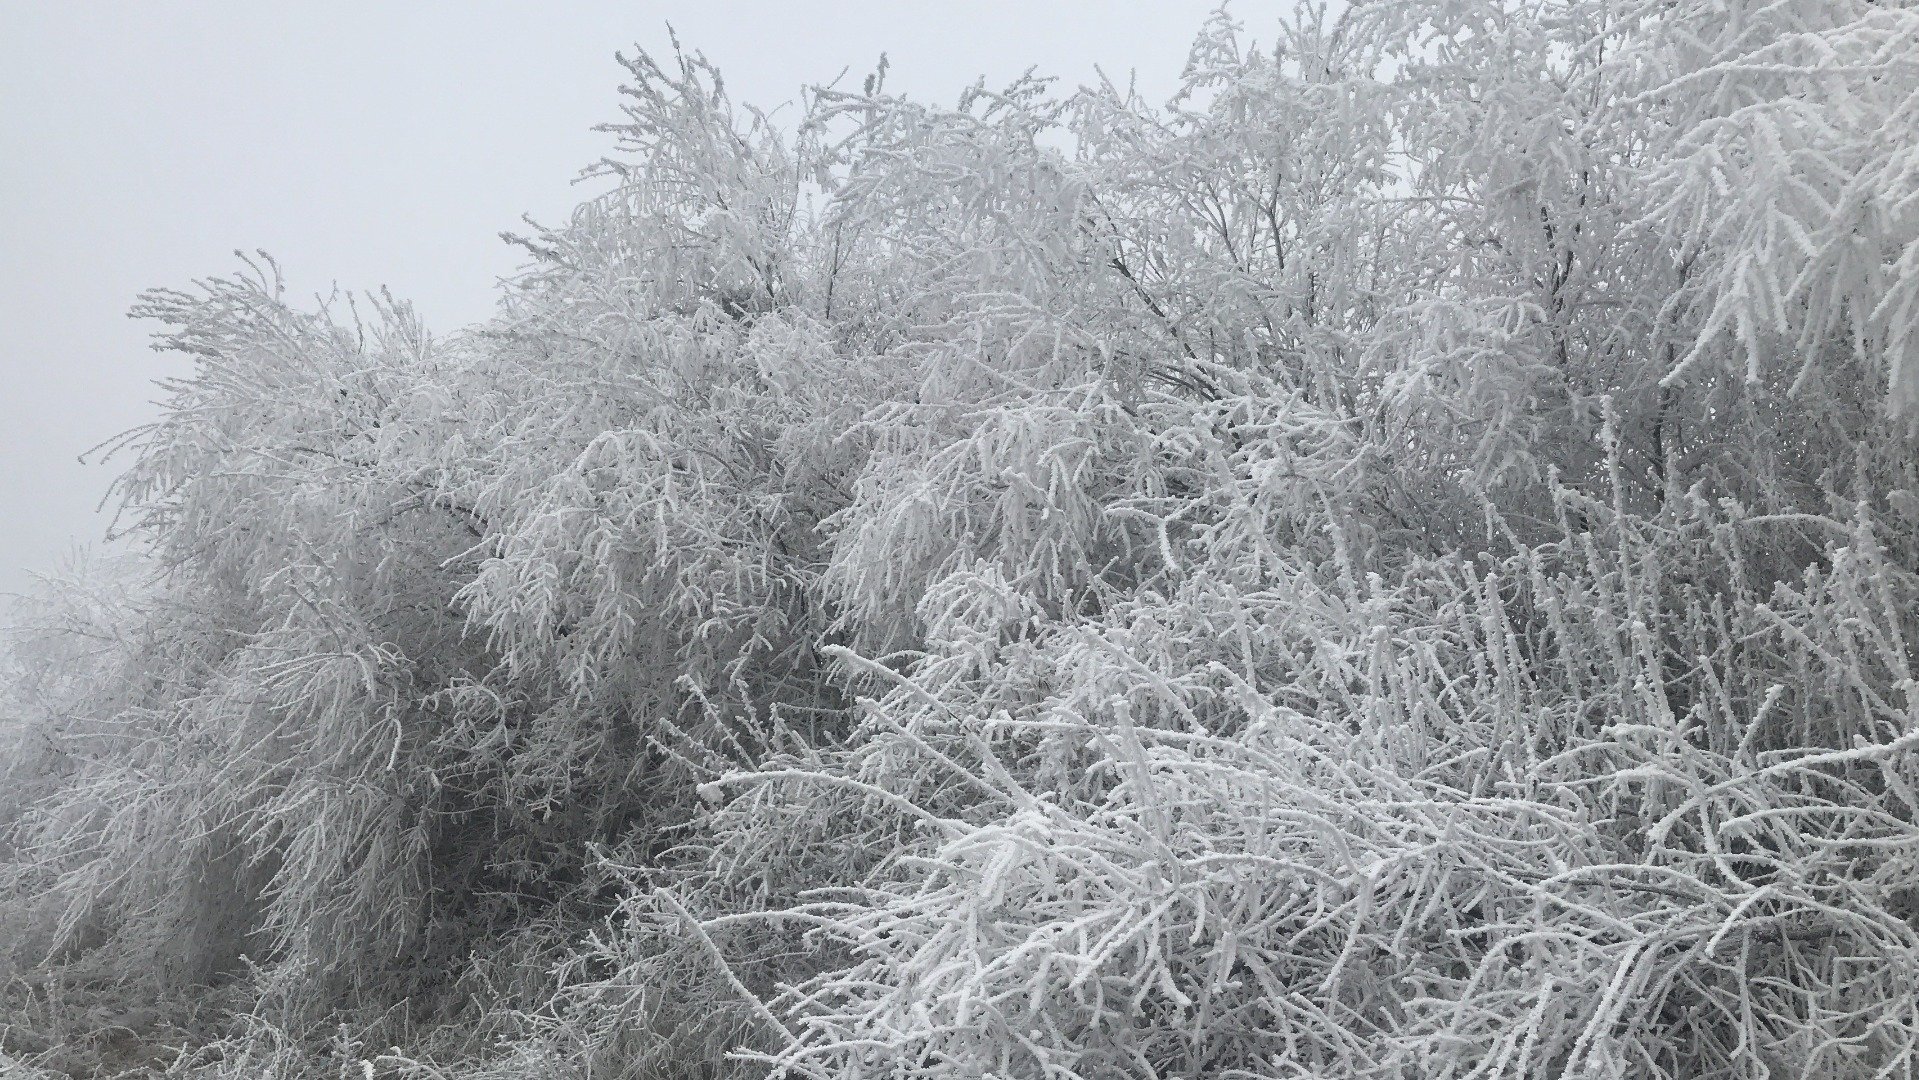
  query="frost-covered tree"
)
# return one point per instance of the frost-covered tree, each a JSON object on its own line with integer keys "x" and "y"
{"x": 1401, "y": 561}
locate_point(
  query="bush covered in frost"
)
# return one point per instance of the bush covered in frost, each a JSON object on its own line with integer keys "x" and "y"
{"x": 1402, "y": 561}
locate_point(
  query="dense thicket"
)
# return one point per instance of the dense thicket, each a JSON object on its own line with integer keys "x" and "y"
{"x": 1400, "y": 562}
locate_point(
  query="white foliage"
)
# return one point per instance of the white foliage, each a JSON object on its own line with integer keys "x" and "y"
{"x": 1398, "y": 562}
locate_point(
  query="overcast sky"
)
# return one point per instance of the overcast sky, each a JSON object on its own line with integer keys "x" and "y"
{"x": 375, "y": 144}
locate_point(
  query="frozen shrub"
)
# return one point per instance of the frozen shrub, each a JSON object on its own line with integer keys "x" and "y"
{"x": 1401, "y": 561}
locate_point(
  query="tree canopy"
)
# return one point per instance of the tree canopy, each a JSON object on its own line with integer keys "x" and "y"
{"x": 1400, "y": 561}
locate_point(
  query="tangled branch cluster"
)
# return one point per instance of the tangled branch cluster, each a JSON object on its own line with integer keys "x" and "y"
{"x": 1400, "y": 562}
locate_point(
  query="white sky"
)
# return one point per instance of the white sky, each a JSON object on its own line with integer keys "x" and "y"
{"x": 378, "y": 143}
